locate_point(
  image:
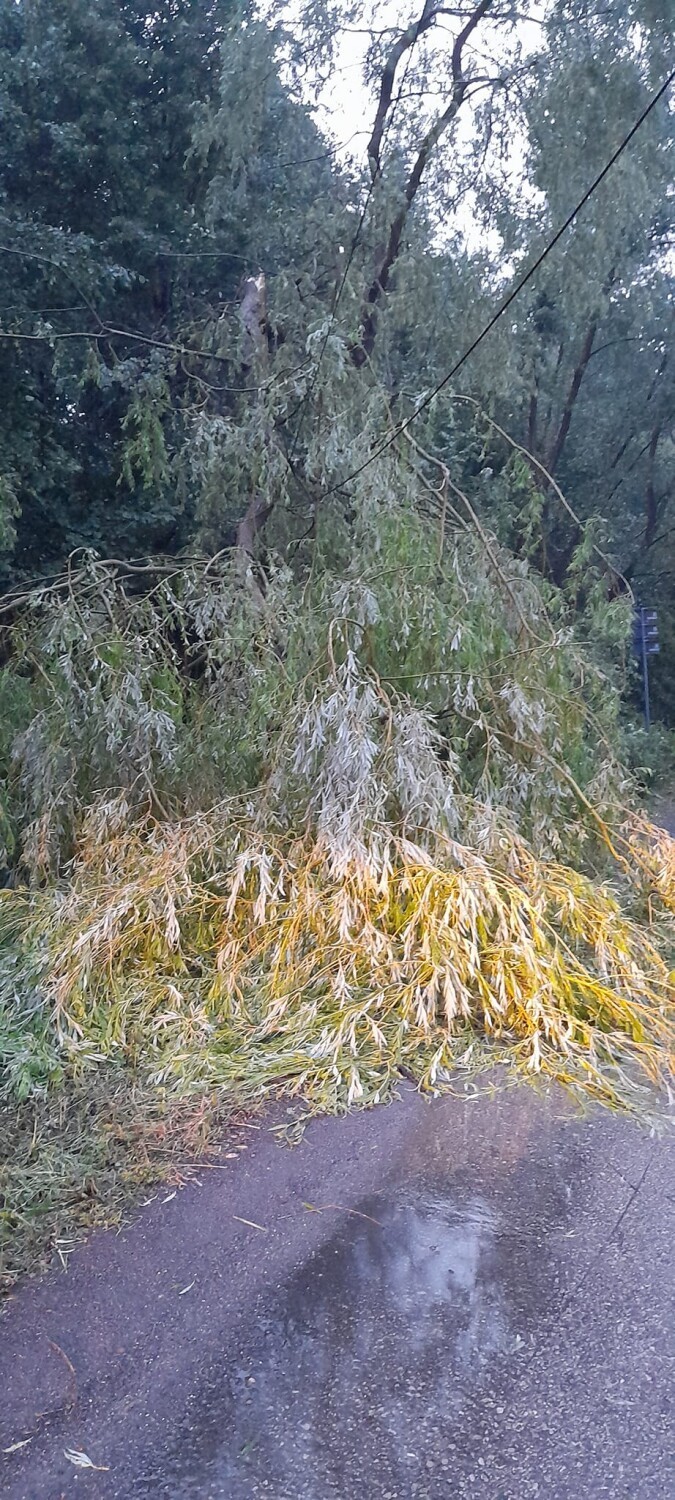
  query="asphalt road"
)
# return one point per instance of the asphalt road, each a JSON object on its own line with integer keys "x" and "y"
{"x": 471, "y": 1297}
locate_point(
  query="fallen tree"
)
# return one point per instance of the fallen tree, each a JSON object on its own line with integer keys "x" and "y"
{"x": 427, "y": 850}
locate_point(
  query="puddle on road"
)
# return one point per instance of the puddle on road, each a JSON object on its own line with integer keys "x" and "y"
{"x": 364, "y": 1363}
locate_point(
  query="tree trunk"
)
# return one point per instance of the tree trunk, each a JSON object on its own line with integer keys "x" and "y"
{"x": 651, "y": 506}
{"x": 362, "y": 351}
{"x": 532, "y": 423}
{"x": 560, "y": 438}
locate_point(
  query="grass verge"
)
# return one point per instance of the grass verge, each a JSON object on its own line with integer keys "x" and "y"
{"x": 82, "y": 1157}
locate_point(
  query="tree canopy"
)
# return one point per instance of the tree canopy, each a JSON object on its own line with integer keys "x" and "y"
{"x": 131, "y": 208}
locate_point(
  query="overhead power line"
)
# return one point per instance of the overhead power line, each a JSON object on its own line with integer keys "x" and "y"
{"x": 423, "y": 405}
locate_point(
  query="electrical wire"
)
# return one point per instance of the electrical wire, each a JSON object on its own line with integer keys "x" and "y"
{"x": 425, "y": 403}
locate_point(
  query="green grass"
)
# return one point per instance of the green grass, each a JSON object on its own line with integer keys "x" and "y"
{"x": 82, "y": 1157}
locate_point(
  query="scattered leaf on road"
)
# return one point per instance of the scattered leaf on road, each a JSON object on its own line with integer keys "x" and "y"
{"x": 83, "y": 1461}
{"x": 314, "y": 1208}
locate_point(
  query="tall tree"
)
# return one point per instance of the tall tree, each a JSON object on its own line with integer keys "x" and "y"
{"x": 130, "y": 208}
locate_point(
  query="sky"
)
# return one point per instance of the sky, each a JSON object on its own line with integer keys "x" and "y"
{"x": 344, "y": 106}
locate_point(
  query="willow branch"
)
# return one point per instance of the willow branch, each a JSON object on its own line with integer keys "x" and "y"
{"x": 460, "y": 84}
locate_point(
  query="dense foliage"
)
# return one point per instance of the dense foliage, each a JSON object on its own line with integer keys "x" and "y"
{"x": 130, "y": 210}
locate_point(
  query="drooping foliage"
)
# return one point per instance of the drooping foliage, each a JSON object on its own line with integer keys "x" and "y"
{"x": 336, "y": 787}
{"x": 416, "y": 815}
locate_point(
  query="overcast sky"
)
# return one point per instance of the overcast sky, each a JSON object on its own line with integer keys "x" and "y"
{"x": 345, "y": 107}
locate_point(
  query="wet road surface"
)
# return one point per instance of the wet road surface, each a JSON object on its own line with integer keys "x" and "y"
{"x": 470, "y": 1297}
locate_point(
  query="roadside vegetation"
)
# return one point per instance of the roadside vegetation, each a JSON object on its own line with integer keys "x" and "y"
{"x": 320, "y": 764}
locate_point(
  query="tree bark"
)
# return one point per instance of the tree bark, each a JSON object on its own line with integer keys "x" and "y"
{"x": 257, "y": 512}
{"x": 560, "y": 438}
{"x": 404, "y": 43}
{"x": 651, "y": 506}
{"x": 253, "y": 318}
{"x": 532, "y": 423}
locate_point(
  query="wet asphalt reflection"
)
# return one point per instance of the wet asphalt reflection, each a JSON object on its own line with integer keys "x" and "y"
{"x": 431, "y": 1301}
